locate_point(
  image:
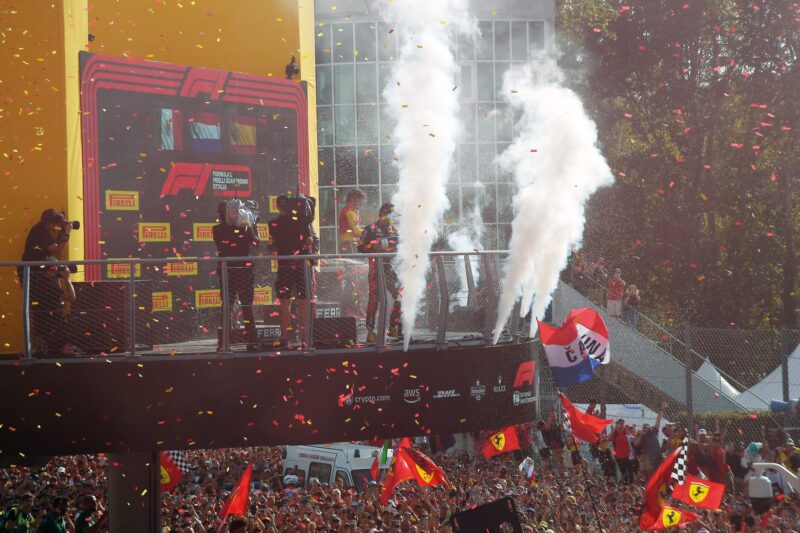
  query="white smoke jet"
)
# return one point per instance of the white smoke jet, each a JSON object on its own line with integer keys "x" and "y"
{"x": 557, "y": 166}
{"x": 423, "y": 101}
{"x": 467, "y": 239}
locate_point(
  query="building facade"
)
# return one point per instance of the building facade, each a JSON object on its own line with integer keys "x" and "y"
{"x": 354, "y": 53}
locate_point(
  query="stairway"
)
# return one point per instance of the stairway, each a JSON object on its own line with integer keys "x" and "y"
{"x": 646, "y": 359}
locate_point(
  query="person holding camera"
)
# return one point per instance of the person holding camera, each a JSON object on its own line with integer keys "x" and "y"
{"x": 236, "y": 240}
{"x": 382, "y": 237}
{"x": 292, "y": 234}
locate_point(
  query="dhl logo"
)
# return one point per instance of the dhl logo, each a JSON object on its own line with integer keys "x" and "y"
{"x": 162, "y": 301}
{"x": 262, "y": 296}
{"x": 202, "y": 232}
{"x": 154, "y": 232}
{"x": 207, "y": 299}
{"x": 182, "y": 268}
{"x": 122, "y": 271}
{"x": 122, "y": 200}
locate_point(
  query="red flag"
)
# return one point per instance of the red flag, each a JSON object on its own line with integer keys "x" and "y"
{"x": 171, "y": 473}
{"x": 700, "y": 493}
{"x": 583, "y": 425}
{"x": 672, "y": 517}
{"x": 409, "y": 463}
{"x": 406, "y": 442}
{"x": 501, "y": 442}
{"x": 375, "y": 468}
{"x": 236, "y": 504}
{"x": 656, "y": 491}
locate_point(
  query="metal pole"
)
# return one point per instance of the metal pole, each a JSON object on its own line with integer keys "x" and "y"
{"x": 470, "y": 281}
{"x": 515, "y": 320}
{"x": 26, "y": 310}
{"x": 688, "y": 363}
{"x": 380, "y": 277}
{"x": 309, "y": 332}
{"x": 226, "y": 308}
{"x": 132, "y": 308}
{"x": 785, "y": 364}
{"x": 444, "y": 307}
{"x": 491, "y": 298}
{"x": 537, "y": 390}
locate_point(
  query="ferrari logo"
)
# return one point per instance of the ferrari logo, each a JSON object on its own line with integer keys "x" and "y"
{"x": 499, "y": 441}
{"x": 164, "y": 476}
{"x": 698, "y": 491}
{"x": 662, "y": 494}
{"x": 423, "y": 474}
{"x": 670, "y": 517}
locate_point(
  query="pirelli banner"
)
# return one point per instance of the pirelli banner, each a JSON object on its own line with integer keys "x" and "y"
{"x": 182, "y": 402}
{"x": 163, "y": 145}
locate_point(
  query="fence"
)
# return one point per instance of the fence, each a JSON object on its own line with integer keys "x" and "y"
{"x": 703, "y": 375}
{"x": 201, "y": 305}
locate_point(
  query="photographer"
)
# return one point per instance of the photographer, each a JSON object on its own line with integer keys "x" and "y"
{"x": 48, "y": 237}
{"x": 236, "y": 240}
{"x": 292, "y": 234}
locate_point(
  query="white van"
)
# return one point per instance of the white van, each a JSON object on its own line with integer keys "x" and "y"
{"x": 330, "y": 462}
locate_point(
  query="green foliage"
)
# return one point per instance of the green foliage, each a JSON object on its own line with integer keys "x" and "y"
{"x": 696, "y": 108}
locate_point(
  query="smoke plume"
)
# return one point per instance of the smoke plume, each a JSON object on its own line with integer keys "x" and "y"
{"x": 422, "y": 98}
{"x": 467, "y": 239}
{"x": 557, "y": 166}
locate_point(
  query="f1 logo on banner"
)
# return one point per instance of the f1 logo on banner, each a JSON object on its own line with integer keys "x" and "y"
{"x": 234, "y": 181}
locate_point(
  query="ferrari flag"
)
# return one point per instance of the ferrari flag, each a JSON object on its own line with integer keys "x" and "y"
{"x": 700, "y": 493}
{"x": 656, "y": 491}
{"x": 409, "y": 463}
{"x": 583, "y": 425}
{"x": 671, "y": 517}
{"x": 501, "y": 442}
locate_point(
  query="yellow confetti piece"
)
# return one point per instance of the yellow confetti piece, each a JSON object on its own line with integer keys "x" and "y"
{"x": 144, "y": 492}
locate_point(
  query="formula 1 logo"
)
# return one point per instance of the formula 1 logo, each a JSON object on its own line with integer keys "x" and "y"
{"x": 229, "y": 181}
{"x": 525, "y": 373}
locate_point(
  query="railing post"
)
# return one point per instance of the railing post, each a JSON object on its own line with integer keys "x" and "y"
{"x": 380, "y": 277}
{"x": 785, "y": 353}
{"x": 309, "y": 331}
{"x": 26, "y": 310}
{"x": 515, "y": 320}
{"x": 444, "y": 300}
{"x": 470, "y": 281}
{"x": 226, "y": 307}
{"x": 132, "y": 308}
{"x": 491, "y": 298}
{"x": 687, "y": 361}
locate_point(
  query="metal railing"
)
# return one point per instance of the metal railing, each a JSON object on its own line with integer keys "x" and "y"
{"x": 201, "y": 305}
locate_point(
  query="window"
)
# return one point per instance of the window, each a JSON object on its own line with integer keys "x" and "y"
{"x": 504, "y": 120}
{"x": 387, "y": 43}
{"x": 327, "y": 238}
{"x": 486, "y": 164}
{"x": 367, "y": 122}
{"x": 342, "y": 35}
{"x": 467, "y": 162}
{"x": 365, "y": 42}
{"x": 323, "y": 45}
{"x": 366, "y": 83}
{"x": 466, "y": 48}
{"x": 388, "y": 166}
{"x": 325, "y": 126}
{"x": 321, "y": 471}
{"x": 324, "y": 85}
{"x": 345, "y": 122}
{"x": 327, "y": 206}
{"x": 343, "y": 84}
{"x": 368, "y": 163}
{"x": 326, "y": 176}
{"x": 502, "y": 40}
{"x": 466, "y": 83}
{"x": 536, "y": 35}
{"x": 486, "y": 40}
{"x": 484, "y": 79}
{"x": 519, "y": 41}
{"x": 345, "y": 165}
{"x": 500, "y": 70}
{"x": 486, "y": 116}
{"x": 344, "y": 476}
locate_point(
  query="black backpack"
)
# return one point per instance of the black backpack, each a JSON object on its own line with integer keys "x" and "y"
{"x": 300, "y": 208}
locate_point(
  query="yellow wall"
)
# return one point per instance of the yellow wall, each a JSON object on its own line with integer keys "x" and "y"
{"x": 40, "y": 157}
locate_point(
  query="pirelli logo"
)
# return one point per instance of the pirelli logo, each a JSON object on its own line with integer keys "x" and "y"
{"x": 207, "y": 299}
{"x": 122, "y": 271}
{"x": 122, "y": 200}
{"x": 154, "y": 232}
{"x": 263, "y": 232}
{"x": 262, "y": 296}
{"x": 203, "y": 232}
{"x": 273, "y": 204}
{"x": 181, "y": 268}
{"x": 162, "y": 301}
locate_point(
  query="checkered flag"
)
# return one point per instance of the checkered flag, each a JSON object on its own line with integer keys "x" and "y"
{"x": 678, "y": 476}
{"x": 566, "y": 422}
{"x": 179, "y": 458}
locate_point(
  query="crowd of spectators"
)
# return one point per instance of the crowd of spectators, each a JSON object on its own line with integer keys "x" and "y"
{"x": 592, "y": 279}
{"x": 576, "y": 488}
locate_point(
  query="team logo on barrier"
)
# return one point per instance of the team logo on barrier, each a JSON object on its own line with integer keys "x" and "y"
{"x": 233, "y": 181}
{"x": 154, "y": 232}
{"x": 202, "y": 232}
{"x": 122, "y": 200}
{"x": 525, "y": 372}
{"x": 122, "y": 271}
{"x": 262, "y": 296}
{"x": 207, "y": 299}
{"x": 182, "y": 268}
{"x": 162, "y": 301}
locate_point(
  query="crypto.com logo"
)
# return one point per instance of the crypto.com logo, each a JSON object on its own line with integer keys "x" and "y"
{"x": 195, "y": 177}
{"x": 525, "y": 373}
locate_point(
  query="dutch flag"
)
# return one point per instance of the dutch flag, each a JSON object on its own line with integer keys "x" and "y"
{"x": 566, "y": 347}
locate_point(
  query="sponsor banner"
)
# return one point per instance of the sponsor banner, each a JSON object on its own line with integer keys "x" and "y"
{"x": 207, "y": 299}
{"x": 478, "y": 390}
{"x": 412, "y": 395}
{"x": 122, "y": 270}
{"x": 181, "y": 268}
{"x": 262, "y": 296}
{"x": 162, "y": 301}
{"x": 122, "y": 200}
{"x": 446, "y": 394}
{"x": 273, "y": 204}
{"x": 263, "y": 232}
{"x": 154, "y": 232}
{"x": 201, "y": 232}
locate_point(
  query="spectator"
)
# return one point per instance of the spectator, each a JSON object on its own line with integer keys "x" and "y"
{"x": 622, "y": 451}
{"x": 381, "y": 237}
{"x": 85, "y": 521}
{"x": 20, "y": 519}
{"x": 598, "y": 276}
{"x": 350, "y": 222}
{"x": 631, "y": 303}
{"x": 292, "y": 234}
{"x": 54, "y": 291}
{"x": 616, "y": 288}
{"x": 236, "y": 241}
{"x": 649, "y": 446}
{"x": 57, "y": 521}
